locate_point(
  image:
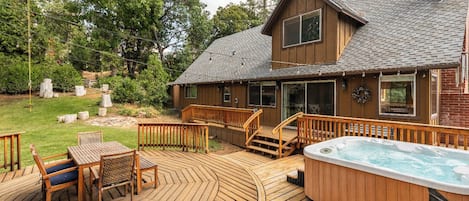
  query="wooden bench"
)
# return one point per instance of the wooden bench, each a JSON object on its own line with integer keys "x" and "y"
{"x": 142, "y": 165}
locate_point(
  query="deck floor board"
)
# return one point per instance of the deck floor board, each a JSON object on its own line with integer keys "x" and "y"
{"x": 183, "y": 176}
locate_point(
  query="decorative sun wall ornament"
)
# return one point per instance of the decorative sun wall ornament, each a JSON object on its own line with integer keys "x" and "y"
{"x": 361, "y": 94}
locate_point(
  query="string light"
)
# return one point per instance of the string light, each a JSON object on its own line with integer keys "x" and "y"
{"x": 415, "y": 72}
{"x": 320, "y": 73}
{"x": 398, "y": 73}
{"x": 363, "y": 74}
{"x": 343, "y": 74}
{"x": 380, "y": 74}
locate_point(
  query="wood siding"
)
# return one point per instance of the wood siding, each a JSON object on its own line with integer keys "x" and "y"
{"x": 325, "y": 181}
{"x": 347, "y": 28}
{"x": 348, "y": 107}
{"x": 345, "y": 105}
{"x": 336, "y": 29}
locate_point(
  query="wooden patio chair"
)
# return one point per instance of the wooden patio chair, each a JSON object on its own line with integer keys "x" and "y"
{"x": 90, "y": 137}
{"x": 115, "y": 170}
{"x": 143, "y": 165}
{"x": 55, "y": 176}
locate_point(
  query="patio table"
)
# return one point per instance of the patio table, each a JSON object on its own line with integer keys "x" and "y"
{"x": 89, "y": 155}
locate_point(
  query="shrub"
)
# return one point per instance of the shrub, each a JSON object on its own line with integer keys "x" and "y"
{"x": 14, "y": 77}
{"x": 65, "y": 77}
{"x": 112, "y": 81}
{"x": 127, "y": 91}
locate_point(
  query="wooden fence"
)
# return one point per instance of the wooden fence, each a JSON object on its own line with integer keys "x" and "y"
{"x": 186, "y": 136}
{"x": 316, "y": 128}
{"x": 11, "y": 150}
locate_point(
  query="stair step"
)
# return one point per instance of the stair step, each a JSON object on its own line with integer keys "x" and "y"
{"x": 293, "y": 174}
{"x": 270, "y": 144}
{"x": 268, "y": 151}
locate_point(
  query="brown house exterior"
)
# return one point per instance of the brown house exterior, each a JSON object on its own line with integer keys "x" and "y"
{"x": 359, "y": 58}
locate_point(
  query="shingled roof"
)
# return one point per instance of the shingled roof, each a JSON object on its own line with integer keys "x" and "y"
{"x": 400, "y": 35}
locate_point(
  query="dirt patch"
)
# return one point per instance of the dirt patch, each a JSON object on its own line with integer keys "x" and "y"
{"x": 116, "y": 121}
{"x": 227, "y": 148}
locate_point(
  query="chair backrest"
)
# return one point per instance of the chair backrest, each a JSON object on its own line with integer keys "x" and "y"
{"x": 38, "y": 160}
{"x": 90, "y": 137}
{"x": 117, "y": 168}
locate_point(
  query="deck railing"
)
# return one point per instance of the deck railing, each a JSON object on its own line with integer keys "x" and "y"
{"x": 227, "y": 116}
{"x": 186, "y": 136}
{"x": 239, "y": 118}
{"x": 11, "y": 150}
{"x": 316, "y": 128}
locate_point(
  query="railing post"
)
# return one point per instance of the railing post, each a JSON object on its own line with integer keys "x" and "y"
{"x": 138, "y": 137}
{"x": 18, "y": 150}
{"x": 280, "y": 143}
{"x": 206, "y": 139}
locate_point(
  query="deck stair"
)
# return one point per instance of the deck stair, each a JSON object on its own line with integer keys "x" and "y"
{"x": 268, "y": 144}
{"x": 297, "y": 177}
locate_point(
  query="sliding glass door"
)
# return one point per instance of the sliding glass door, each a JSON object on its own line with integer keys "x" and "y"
{"x": 308, "y": 97}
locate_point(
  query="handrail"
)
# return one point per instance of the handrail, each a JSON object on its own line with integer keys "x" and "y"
{"x": 252, "y": 118}
{"x": 218, "y": 108}
{"x": 253, "y": 122}
{"x": 287, "y": 121}
{"x": 173, "y": 135}
{"x": 11, "y": 160}
{"x": 314, "y": 128}
{"x": 278, "y": 129}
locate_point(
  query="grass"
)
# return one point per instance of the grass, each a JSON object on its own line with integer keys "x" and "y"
{"x": 50, "y": 137}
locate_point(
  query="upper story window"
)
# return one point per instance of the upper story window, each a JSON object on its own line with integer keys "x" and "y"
{"x": 397, "y": 95}
{"x": 302, "y": 29}
{"x": 190, "y": 91}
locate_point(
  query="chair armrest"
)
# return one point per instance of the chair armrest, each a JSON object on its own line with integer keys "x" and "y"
{"x": 48, "y": 165}
{"x": 48, "y": 176}
{"x": 54, "y": 156}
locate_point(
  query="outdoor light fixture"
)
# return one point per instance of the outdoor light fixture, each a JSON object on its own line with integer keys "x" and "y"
{"x": 344, "y": 83}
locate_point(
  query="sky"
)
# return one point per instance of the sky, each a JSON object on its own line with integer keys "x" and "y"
{"x": 212, "y": 5}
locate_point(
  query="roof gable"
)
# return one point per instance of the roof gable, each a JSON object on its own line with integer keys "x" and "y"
{"x": 341, "y": 6}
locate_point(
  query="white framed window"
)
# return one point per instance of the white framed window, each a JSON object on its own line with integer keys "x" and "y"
{"x": 397, "y": 95}
{"x": 190, "y": 91}
{"x": 226, "y": 94}
{"x": 434, "y": 93}
{"x": 262, "y": 94}
{"x": 302, "y": 29}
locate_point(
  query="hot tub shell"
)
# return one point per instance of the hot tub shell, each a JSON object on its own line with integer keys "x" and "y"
{"x": 334, "y": 179}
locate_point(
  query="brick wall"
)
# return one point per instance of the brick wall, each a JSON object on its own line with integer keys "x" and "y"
{"x": 454, "y": 104}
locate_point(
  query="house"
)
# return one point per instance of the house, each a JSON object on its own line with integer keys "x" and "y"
{"x": 375, "y": 59}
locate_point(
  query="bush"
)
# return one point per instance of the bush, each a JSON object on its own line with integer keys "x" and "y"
{"x": 14, "y": 77}
{"x": 127, "y": 91}
{"x": 65, "y": 77}
{"x": 112, "y": 81}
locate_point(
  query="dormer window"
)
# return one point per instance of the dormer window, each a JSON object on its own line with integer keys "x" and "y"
{"x": 302, "y": 29}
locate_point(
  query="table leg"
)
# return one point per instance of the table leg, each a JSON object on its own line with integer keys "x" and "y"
{"x": 81, "y": 184}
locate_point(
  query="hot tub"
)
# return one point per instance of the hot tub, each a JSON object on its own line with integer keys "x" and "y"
{"x": 360, "y": 168}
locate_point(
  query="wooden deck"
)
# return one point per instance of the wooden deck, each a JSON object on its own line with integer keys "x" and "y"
{"x": 186, "y": 176}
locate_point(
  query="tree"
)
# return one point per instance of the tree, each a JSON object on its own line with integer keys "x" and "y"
{"x": 234, "y": 18}
{"x": 13, "y": 30}
{"x": 154, "y": 82}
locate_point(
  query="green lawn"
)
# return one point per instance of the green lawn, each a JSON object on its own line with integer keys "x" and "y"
{"x": 42, "y": 129}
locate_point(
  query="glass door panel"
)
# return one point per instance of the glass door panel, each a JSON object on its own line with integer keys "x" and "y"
{"x": 293, "y": 99}
{"x": 320, "y": 98}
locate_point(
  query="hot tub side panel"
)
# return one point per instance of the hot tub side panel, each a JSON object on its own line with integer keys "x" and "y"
{"x": 329, "y": 182}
